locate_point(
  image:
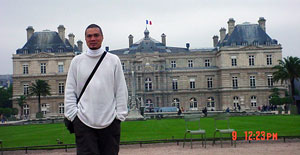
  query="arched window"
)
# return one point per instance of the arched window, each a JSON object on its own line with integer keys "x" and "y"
{"x": 176, "y": 103}
{"x": 44, "y": 108}
{"x": 235, "y": 101}
{"x": 149, "y": 103}
{"x": 26, "y": 110}
{"x": 210, "y": 102}
{"x": 61, "y": 108}
{"x": 148, "y": 84}
{"x": 193, "y": 104}
{"x": 253, "y": 101}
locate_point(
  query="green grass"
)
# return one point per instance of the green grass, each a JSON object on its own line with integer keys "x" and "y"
{"x": 46, "y": 134}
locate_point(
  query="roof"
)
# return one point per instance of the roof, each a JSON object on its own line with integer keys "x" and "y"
{"x": 149, "y": 45}
{"x": 46, "y": 41}
{"x": 247, "y": 34}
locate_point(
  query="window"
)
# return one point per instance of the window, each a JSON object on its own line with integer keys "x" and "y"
{"x": 190, "y": 64}
{"x": 61, "y": 108}
{"x": 192, "y": 83}
{"x": 157, "y": 101}
{"x": 60, "y": 67}
{"x": 138, "y": 67}
{"x": 123, "y": 66}
{"x": 244, "y": 43}
{"x": 26, "y": 89}
{"x": 176, "y": 103}
{"x": 209, "y": 82}
{"x": 251, "y": 60}
{"x": 139, "y": 82}
{"x": 26, "y": 110}
{"x": 173, "y": 64}
{"x": 234, "y": 82}
{"x": 61, "y": 88}
{"x": 25, "y": 68}
{"x": 149, "y": 103}
{"x": 43, "y": 68}
{"x": 233, "y": 61}
{"x": 37, "y": 50}
{"x": 252, "y": 81}
{"x": 253, "y": 101}
{"x": 60, "y": 50}
{"x": 207, "y": 63}
{"x": 270, "y": 80}
{"x": 44, "y": 108}
{"x": 255, "y": 43}
{"x": 25, "y": 51}
{"x": 269, "y": 59}
{"x": 156, "y": 67}
{"x": 156, "y": 82}
{"x": 148, "y": 84}
{"x": 210, "y": 102}
{"x": 193, "y": 104}
{"x": 235, "y": 102}
{"x": 174, "y": 84}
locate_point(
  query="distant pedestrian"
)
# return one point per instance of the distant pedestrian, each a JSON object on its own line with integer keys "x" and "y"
{"x": 239, "y": 107}
{"x": 227, "y": 110}
{"x": 204, "y": 111}
{"x": 179, "y": 112}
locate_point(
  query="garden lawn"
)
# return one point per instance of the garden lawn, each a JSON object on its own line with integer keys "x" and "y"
{"x": 47, "y": 134}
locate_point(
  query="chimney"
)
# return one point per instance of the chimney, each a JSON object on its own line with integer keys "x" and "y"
{"x": 30, "y": 32}
{"x": 222, "y": 34}
{"x": 71, "y": 39}
{"x": 230, "y": 25}
{"x": 262, "y": 23}
{"x": 163, "y": 39}
{"x": 130, "y": 40}
{"x": 61, "y": 32}
{"x": 187, "y": 45}
{"x": 79, "y": 44}
{"x": 215, "y": 40}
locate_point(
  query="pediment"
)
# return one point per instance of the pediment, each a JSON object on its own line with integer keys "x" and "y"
{"x": 42, "y": 55}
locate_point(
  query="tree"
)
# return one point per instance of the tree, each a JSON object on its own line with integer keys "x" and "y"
{"x": 288, "y": 70}
{"x": 21, "y": 101}
{"x": 5, "y": 97}
{"x": 39, "y": 88}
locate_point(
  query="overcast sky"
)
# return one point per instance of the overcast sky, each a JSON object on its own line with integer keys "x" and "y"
{"x": 193, "y": 21}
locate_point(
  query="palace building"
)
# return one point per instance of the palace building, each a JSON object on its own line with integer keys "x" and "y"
{"x": 236, "y": 71}
{"x": 45, "y": 56}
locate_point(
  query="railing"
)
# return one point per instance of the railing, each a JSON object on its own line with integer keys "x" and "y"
{"x": 68, "y": 146}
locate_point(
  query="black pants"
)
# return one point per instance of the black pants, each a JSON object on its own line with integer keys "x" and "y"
{"x": 90, "y": 141}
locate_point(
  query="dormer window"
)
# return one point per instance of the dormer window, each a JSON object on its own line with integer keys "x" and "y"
{"x": 60, "y": 50}
{"x": 268, "y": 43}
{"x": 255, "y": 43}
{"x": 49, "y": 50}
{"x": 25, "y": 51}
{"x": 233, "y": 44}
{"x": 245, "y": 43}
{"x": 37, "y": 50}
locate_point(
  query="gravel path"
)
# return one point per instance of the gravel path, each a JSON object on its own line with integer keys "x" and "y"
{"x": 290, "y": 147}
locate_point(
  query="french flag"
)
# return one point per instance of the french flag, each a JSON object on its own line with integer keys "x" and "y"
{"x": 148, "y": 22}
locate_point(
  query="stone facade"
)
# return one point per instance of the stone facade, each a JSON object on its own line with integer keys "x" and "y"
{"x": 215, "y": 78}
{"x": 51, "y": 66}
{"x": 237, "y": 70}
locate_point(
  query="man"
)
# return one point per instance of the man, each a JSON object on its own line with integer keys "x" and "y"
{"x": 103, "y": 105}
